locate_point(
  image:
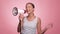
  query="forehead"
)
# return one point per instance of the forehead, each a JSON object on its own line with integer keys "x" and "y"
{"x": 29, "y": 5}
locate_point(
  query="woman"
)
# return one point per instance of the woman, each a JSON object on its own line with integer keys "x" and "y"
{"x": 30, "y": 23}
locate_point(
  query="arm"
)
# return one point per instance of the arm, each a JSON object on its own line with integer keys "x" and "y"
{"x": 21, "y": 17}
{"x": 46, "y": 28}
{"x": 19, "y": 27}
{"x": 39, "y": 26}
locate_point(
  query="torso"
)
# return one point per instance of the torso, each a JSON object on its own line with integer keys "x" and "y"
{"x": 29, "y": 27}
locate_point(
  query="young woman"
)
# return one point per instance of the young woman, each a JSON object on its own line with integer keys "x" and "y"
{"x": 30, "y": 23}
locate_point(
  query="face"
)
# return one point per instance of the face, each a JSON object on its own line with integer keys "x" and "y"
{"x": 29, "y": 8}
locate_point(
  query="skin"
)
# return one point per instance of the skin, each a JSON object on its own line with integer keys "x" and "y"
{"x": 49, "y": 26}
{"x": 30, "y": 17}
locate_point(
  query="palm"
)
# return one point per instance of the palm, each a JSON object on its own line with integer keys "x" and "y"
{"x": 49, "y": 26}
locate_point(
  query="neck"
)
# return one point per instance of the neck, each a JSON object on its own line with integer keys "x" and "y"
{"x": 31, "y": 15}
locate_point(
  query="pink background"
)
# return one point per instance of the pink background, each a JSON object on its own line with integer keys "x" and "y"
{"x": 47, "y": 10}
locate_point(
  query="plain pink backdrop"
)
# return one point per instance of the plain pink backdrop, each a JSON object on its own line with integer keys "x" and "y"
{"x": 47, "y": 10}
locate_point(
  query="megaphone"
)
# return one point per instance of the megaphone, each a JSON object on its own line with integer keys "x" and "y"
{"x": 16, "y": 11}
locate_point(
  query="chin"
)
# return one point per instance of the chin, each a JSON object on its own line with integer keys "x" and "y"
{"x": 28, "y": 12}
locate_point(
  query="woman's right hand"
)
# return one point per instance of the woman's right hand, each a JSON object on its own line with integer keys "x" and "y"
{"x": 21, "y": 16}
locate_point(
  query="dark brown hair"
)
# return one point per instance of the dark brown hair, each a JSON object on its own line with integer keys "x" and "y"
{"x": 31, "y": 4}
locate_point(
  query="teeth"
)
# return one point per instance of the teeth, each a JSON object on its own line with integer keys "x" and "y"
{"x": 20, "y": 11}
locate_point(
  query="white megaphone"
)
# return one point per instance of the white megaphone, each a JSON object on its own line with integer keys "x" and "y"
{"x": 17, "y": 11}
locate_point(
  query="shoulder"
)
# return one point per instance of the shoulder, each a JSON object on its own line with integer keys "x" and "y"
{"x": 38, "y": 19}
{"x": 24, "y": 19}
